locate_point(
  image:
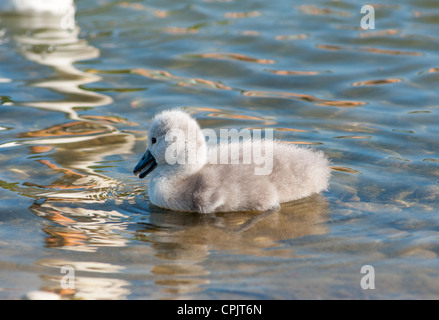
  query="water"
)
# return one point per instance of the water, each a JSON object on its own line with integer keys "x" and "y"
{"x": 75, "y": 109}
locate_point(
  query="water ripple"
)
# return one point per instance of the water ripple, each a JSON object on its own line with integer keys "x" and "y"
{"x": 75, "y": 108}
{"x": 376, "y": 82}
{"x": 304, "y": 97}
{"x": 368, "y": 49}
{"x": 181, "y": 81}
{"x": 231, "y": 56}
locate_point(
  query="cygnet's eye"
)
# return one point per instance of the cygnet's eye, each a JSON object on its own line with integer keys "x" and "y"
{"x": 153, "y": 140}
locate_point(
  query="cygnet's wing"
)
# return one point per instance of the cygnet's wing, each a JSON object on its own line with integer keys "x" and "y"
{"x": 281, "y": 173}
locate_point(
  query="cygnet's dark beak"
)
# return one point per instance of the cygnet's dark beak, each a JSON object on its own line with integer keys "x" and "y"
{"x": 145, "y": 165}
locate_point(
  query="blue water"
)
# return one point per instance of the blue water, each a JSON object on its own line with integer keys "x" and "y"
{"x": 76, "y": 106}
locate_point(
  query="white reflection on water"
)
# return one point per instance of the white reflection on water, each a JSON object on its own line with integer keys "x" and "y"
{"x": 81, "y": 229}
{"x": 169, "y": 251}
{"x": 86, "y": 287}
{"x": 76, "y": 158}
{"x": 42, "y": 39}
{"x": 74, "y": 147}
{"x": 182, "y": 243}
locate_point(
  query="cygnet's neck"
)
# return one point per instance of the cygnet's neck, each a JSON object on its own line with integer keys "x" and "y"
{"x": 183, "y": 168}
{"x": 176, "y": 171}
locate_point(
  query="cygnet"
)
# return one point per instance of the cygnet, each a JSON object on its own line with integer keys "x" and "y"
{"x": 188, "y": 175}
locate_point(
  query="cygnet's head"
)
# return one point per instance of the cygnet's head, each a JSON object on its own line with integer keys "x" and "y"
{"x": 176, "y": 141}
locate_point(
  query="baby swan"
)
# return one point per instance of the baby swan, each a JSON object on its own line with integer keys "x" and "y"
{"x": 186, "y": 175}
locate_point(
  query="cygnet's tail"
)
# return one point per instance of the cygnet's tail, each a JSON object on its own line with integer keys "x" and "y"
{"x": 303, "y": 172}
{"x": 319, "y": 172}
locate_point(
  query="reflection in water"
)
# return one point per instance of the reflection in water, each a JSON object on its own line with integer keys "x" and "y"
{"x": 73, "y": 146}
{"x": 304, "y": 97}
{"x": 81, "y": 203}
{"x": 239, "y": 15}
{"x": 76, "y": 227}
{"x": 78, "y": 160}
{"x": 294, "y": 73}
{"x": 375, "y": 82}
{"x": 95, "y": 287}
{"x": 180, "y": 242}
{"x": 77, "y": 148}
{"x": 232, "y": 56}
{"x": 164, "y": 75}
{"x": 73, "y": 200}
{"x": 315, "y": 10}
{"x": 44, "y": 39}
{"x": 181, "y": 81}
{"x": 368, "y": 97}
{"x": 368, "y": 49}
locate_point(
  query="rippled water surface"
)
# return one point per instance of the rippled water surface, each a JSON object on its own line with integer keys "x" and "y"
{"x": 76, "y": 107}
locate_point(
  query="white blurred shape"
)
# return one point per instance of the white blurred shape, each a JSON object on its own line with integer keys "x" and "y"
{"x": 55, "y": 7}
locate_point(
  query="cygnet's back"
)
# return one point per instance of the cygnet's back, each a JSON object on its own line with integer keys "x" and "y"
{"x": 217, "y": 184}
